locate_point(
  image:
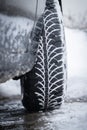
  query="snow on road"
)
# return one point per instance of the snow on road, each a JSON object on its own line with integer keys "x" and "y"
{"x": 10, "y": 88}
{"x": 76, "y": 41}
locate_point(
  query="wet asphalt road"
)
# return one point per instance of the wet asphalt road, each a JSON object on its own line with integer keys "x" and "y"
{"x": 72, "y": 115}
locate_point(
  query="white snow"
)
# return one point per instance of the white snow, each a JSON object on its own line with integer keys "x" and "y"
{"x": 76, "y": 41}
{"x": 19, "y": 22}
{"x": 71, "y": 116}
{"x": 10, "y": 88}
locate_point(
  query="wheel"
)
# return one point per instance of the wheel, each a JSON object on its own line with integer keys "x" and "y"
{"x": 43, "y": 87}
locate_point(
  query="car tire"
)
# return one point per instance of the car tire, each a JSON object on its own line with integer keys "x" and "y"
{"x": 43, "y": 87}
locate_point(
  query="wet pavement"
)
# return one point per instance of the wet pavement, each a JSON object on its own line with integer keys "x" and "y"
{"x": 72, "y": 115}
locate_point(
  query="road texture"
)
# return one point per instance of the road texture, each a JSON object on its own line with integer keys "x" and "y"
{"x": 72, "y": 115}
